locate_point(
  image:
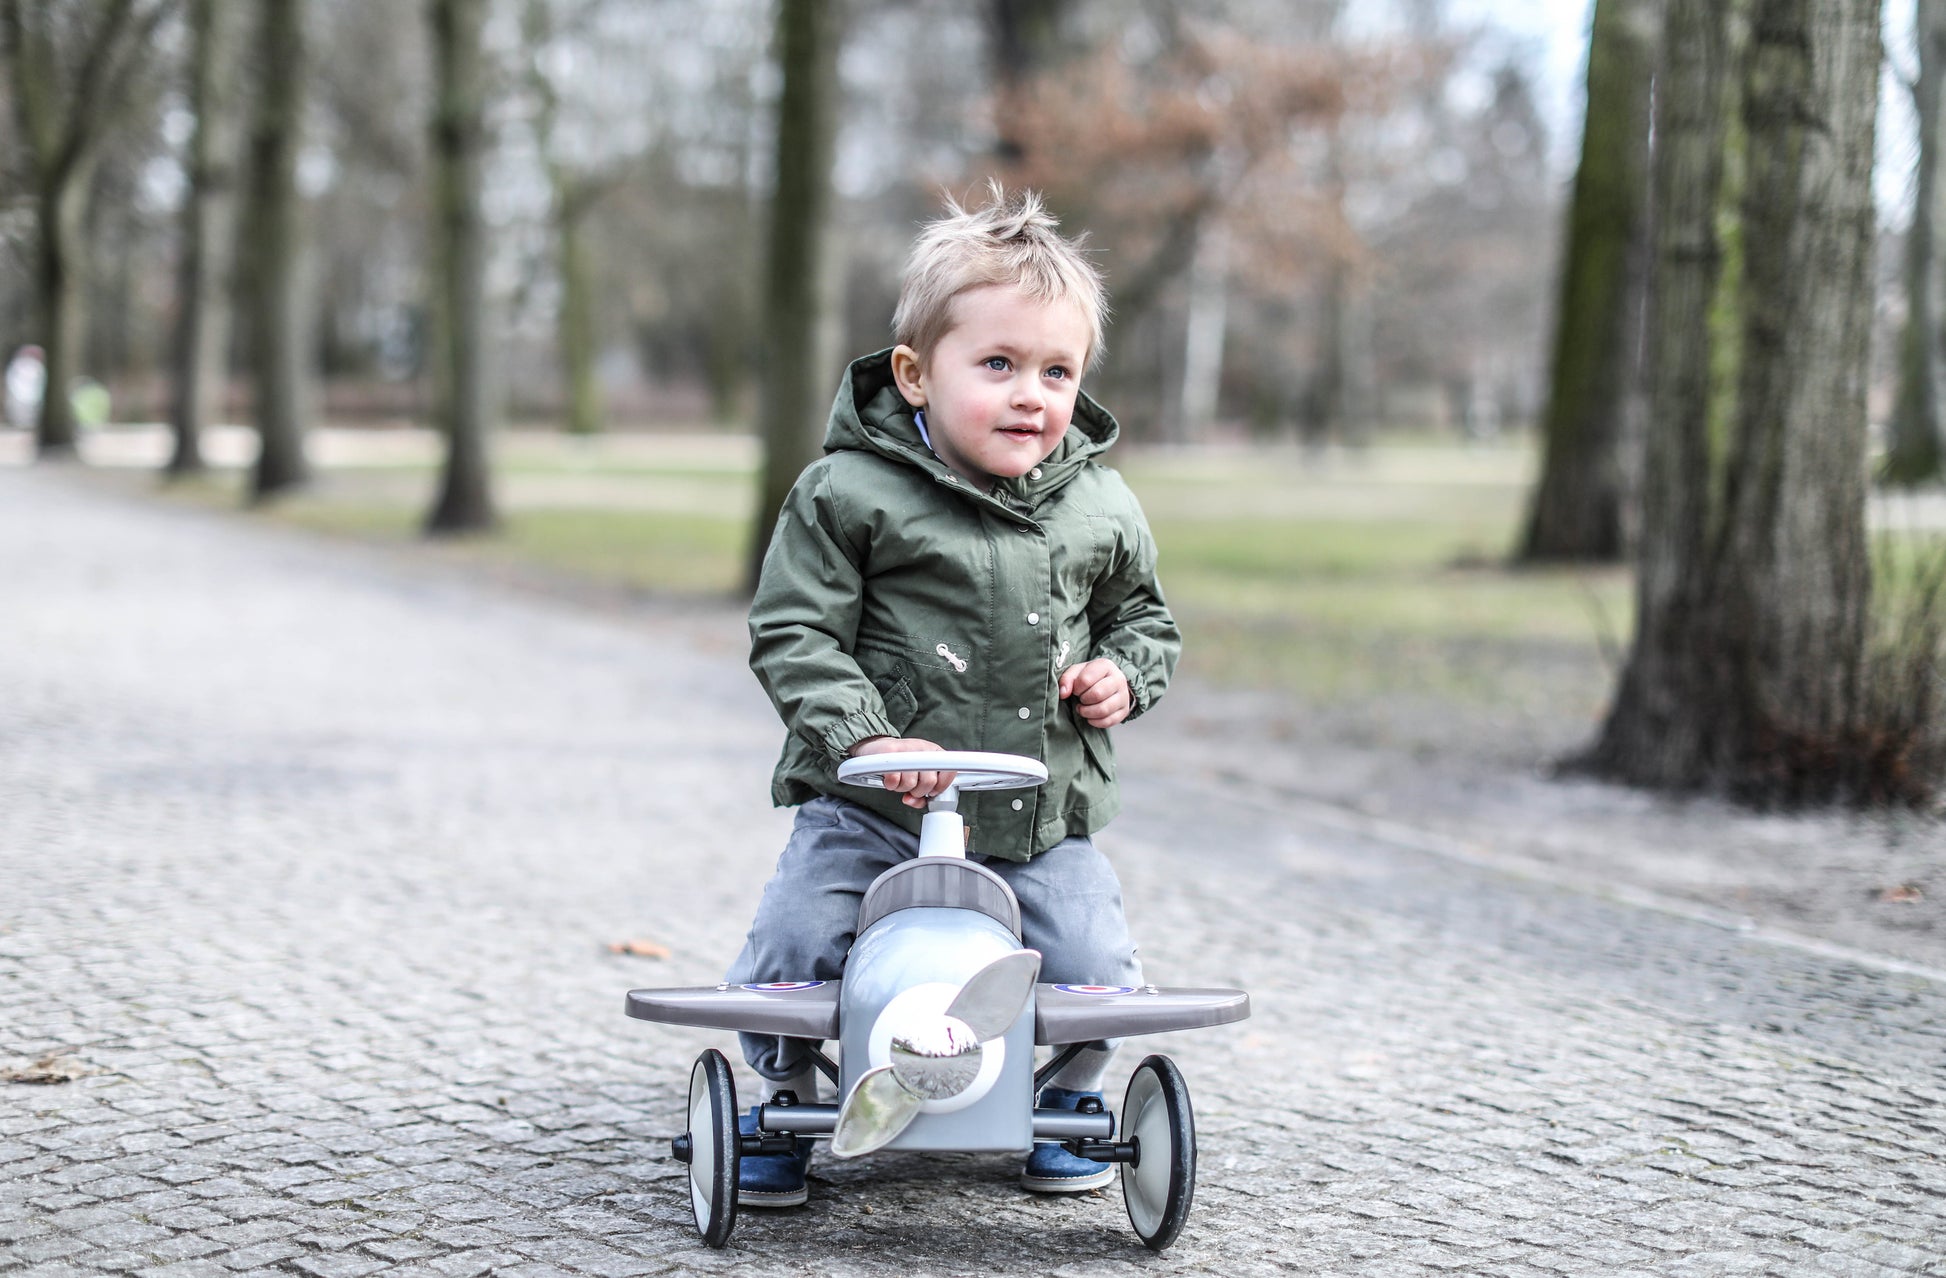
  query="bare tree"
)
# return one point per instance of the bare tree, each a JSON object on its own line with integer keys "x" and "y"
{"x": 209, "y": 228}
{"x": 1650, "y": 736}
{"x": 279, "y": 349}
{"x": 800, "y": 311}
{"x": 1746, "y": 669}
{"x": 1918, "y": 444}
{"x": 1798, "y": 571}
{"x": 1577, "y": 507}
{"x": 72, "y": 66}
{"x": 1023, "y": 37}
{"x": 1337, "y": 402}
{"x": 575, "y": 195}
{"x": 459, "y": 247}
{"x": 1183, "y": 163}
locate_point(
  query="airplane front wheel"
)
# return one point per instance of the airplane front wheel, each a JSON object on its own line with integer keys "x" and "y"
{"x": 713, "y": 1147}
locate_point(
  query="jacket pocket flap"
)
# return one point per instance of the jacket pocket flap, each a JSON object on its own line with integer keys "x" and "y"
{"x": 901, "y": 706}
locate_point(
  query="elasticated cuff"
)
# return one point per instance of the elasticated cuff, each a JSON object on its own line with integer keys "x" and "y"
{"x": 849, "y": 731}
{"x": 1138, "y": 687}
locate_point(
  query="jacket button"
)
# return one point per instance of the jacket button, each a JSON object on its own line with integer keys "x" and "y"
{"x": 1024, "y": 712}
{"x": 1033, "y": 619}
{"x": 1034, "y": 473}
{"x": 1017, "y": 805}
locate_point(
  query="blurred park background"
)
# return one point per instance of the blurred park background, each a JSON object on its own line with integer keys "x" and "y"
{"x": 1555, "y": 378}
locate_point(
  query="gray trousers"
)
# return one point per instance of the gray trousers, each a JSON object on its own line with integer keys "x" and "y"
{"x": 1070, "y": 910}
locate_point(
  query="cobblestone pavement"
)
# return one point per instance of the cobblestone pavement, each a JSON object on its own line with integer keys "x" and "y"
{"x": 307, "y": 858}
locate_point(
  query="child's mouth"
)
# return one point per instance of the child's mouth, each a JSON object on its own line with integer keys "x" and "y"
{"x": 1019, "y": 432}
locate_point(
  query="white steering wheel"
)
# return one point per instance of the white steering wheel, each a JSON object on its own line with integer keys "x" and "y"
{"x": 976, "y": 769}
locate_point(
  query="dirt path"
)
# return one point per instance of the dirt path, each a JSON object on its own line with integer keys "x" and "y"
{"x": 1485, "y": 789}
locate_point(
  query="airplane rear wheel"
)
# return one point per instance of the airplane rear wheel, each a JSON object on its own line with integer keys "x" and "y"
{"x": 1158, "y": 1185}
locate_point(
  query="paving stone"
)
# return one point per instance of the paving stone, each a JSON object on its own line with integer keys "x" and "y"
{"x": 50, "y": 1246}
{"x": 1719, "y": 1262}
{"x": 1901, "y": 1256}
{"x": 400, "y": 1249}
{"x": 259, "y": 1256}
{"x": 181, "y": 1247}
{"x": 1848, "y": 1266}
{"x": 342, "y": 1266}
{"x": 126, "y": 1232}
{"x": 185, "y": 1269}
{"x": 341, "y": 1239}
{"x": 581, "y": 1256}
{"x": 464, "y": 1264}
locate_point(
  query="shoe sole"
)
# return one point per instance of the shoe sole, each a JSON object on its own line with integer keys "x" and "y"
{"x": 773, "y": 1198}
{"x": 1067, "y": 1184}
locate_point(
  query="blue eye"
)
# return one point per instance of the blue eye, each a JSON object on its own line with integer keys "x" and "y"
{"x": 998, "y": 363}
{"x": 1059, "y": 373}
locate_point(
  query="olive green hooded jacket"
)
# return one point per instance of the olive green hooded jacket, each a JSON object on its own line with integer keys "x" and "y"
{"x": 896, "y": 599}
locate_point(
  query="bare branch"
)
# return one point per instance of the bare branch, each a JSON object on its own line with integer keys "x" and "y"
{"x": 83, "y": 124}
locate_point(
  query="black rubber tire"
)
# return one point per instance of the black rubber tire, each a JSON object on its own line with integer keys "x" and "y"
{"x": 715, "y": 1153}
{"x": 1158, "y": 1186}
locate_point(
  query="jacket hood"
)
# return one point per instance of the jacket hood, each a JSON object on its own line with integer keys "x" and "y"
{"x": 870, "y": 415}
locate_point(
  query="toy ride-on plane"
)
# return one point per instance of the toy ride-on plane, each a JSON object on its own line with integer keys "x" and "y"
{"x": 937, "y": 1018}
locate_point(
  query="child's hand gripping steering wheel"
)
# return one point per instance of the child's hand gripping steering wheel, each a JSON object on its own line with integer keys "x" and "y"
{"x": 941, "y": 833}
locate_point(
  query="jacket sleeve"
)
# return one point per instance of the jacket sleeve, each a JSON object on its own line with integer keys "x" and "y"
{"x": 1131, "y": 621}
{"x": 804, "y": 625}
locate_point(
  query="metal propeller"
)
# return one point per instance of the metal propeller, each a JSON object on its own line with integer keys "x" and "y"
{"x": 934, "y": 1058}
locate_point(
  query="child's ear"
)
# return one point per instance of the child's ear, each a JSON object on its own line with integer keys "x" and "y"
{"x": 910, "y": 374}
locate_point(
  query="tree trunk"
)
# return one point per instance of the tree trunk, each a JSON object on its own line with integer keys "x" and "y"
{"x": 800, "y": 279}
{"x": 459, "y": 267}
{"x": 1203, "y": 332}
{"x": 1796, "y": 568}
{"x": 574, "y": 197}
{"x": 209, "y": 228}
{"x": 279, "y": 349}
{"x": 63, "y": 307}
{"x": 1022, "y": 38}
{"x": 1660, "y": 732}
{"x": 1578, "y": 505}
{"x": 727, "y": 337}
{"x": 1754, "y": 577}
{"x": 1917, "y": 444}
{"x": 1339, "y": 401}
{"x": 575, "y": 334}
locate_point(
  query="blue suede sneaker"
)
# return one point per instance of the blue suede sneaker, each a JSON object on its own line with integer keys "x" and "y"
{"x": 1051, "y": 1169}
{"x": 772, "y": 1180}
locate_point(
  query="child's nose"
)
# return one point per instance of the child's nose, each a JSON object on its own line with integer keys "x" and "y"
{"x": 1027, "y": 393}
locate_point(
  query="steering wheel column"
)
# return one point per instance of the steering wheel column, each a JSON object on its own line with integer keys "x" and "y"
{"x": 942, "y": 831}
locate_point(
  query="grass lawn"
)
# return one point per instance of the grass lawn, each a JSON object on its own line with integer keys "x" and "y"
{"x": 1336, "y": 577}
{"x": 1345, "y": 577}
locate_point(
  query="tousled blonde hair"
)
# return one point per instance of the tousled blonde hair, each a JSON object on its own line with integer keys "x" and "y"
{"x": 1010, "y": 240}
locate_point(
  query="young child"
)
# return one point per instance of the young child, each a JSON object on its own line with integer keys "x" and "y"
{"x": 958, "y": 572}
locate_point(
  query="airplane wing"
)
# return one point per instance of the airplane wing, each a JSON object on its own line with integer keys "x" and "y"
{"x": 795, "y": 1009}
{"x": 1083, "y": 1013}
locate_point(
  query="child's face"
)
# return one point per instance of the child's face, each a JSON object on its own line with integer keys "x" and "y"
{"x": 999, "y": 388}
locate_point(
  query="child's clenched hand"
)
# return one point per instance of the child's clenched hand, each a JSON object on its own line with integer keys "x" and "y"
{"x": 1100, "y": 690}
{"x": 917, "y": 787}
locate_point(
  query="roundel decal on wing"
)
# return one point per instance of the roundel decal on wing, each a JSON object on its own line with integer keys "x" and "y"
{"x": 1096, "y": 989}
{"x": 783, "y": 987}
